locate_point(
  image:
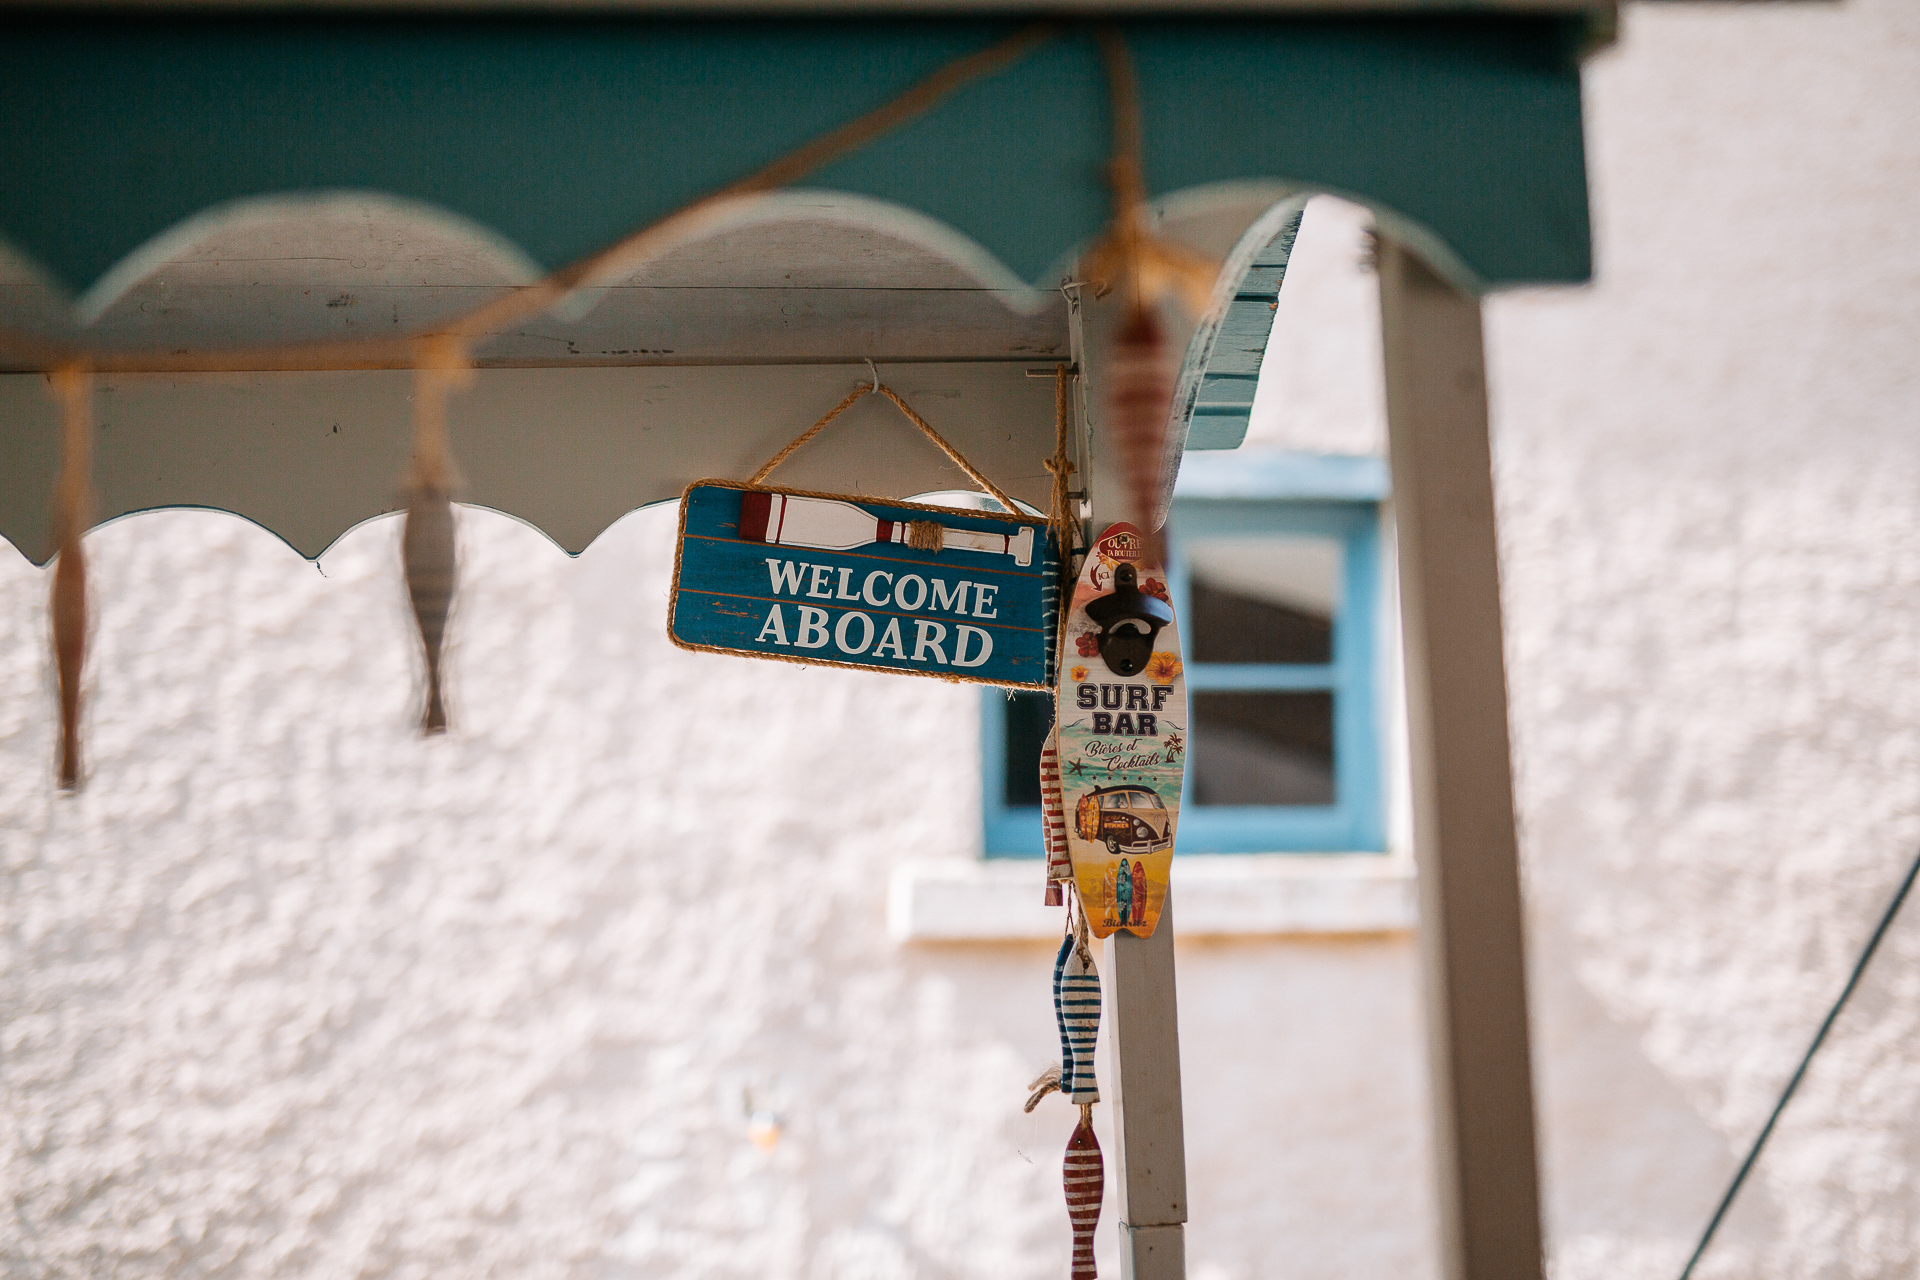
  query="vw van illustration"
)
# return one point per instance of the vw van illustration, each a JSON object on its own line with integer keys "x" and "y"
{"x": 1125, "y": 819}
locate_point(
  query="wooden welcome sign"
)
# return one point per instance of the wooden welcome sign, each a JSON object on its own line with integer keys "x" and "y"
{"x": 842, "y": 581}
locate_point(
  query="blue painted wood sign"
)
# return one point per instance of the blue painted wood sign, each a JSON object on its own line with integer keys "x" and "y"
{"x": 850, "y": 582}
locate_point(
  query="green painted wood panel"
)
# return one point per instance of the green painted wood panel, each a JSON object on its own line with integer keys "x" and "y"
{"x": 1223, "y": 401}
{"x": 560, "y": 133}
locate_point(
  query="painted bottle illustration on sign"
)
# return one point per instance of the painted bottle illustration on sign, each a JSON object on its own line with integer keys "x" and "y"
{"x": 1121, "y": 733}
{"x": 794, "y": 520}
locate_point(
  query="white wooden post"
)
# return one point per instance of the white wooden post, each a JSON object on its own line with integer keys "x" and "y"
{"x": 1142, "y": 1084}
{"x": 1151, "y": 1177}
{"x": 1470, "y": 918}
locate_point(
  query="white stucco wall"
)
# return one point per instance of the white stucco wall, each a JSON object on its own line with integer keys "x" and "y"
{"x": 288, "y": 992}
{"x": 1709, "y": 467}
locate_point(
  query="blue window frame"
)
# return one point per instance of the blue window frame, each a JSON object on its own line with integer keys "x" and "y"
{"x": 1285, "y": 742}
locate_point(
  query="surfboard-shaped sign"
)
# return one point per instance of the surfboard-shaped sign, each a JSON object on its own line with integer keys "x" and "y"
{"x": 834, "y": 580}
{"x": 1121, "y": 734}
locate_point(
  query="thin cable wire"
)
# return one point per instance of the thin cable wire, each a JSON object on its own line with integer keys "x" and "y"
{"x": 1819, "y": 1038}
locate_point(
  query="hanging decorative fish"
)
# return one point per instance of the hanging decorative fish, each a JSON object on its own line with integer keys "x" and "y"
{"x": 67, "y": 602}
{"x": 68, "y": 605}
{"x": 1140, "y": 383}
{"x": 1151, "y": 269}
{"x": 1059, "y": 1017}
{"x": 1085, "y": 1177}
{"x": 427, "y": 548}
{"x": 1054, "y": 821}
{"x": 1076, "y": 1004}
{"x": 427, "y": 545}
{"x": 1076, "y": 1009}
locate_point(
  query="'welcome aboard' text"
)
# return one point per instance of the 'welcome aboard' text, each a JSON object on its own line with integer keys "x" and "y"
{"x": 854, "y": 632}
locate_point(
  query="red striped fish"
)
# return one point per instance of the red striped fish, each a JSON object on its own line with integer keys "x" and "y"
{"x": 1139, "y": 403}
{"x": 1053, "y": 817}
{"x": 1085, "y": 1175}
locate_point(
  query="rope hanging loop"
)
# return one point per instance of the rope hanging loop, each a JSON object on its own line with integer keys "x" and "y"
{"x": 427, "y": 539}
{"x": 928, "y": 534}
{"x": 72, "y": 512}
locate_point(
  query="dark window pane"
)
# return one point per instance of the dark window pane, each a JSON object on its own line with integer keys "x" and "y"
{"x": 1029, "y": 716}
{"x": 1229, "y": 627}
{"x": 1262, "y": 748}
{"x": 1263, "y": 599}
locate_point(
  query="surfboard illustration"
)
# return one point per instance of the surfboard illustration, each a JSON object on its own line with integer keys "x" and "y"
{"x": 1121, "y": 734}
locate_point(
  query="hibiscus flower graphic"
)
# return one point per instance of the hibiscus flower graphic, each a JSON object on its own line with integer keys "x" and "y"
{"x": 1163, "y": 667}
{"x": 1088, "y": 644}
{"x": 1078, "y": 673}
{"x": 1155, "y": 587}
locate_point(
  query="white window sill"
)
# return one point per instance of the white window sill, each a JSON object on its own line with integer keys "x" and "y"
{"x": 1000, "y": 900}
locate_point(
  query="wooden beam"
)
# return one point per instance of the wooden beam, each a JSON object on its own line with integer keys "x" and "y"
{"x": 309, "y": 455}
{"x": 1469, "y": 885}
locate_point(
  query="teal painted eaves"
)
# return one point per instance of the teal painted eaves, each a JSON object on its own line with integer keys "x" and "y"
{"x": 1223, "y": 399}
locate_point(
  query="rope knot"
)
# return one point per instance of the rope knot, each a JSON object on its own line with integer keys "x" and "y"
{"x": 1046, "y": 1082}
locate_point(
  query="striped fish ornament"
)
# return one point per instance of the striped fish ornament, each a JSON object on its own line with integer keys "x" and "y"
{"x": 1139, "y": 402}
{"x": 1053, "y": 818}
{"x": 427, "y": 546}
{"x": 1060, "y": 1013}
{"x": 1085, "y": 1176}
{"x": 67, "y": 601}
{"x": 1076, "y": 1000}
{"x": 427, "y": 550}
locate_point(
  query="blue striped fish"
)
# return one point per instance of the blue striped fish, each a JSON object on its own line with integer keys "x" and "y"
{"x": 1076, "y": 1005}
{"x": 1059, "y": 1014}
